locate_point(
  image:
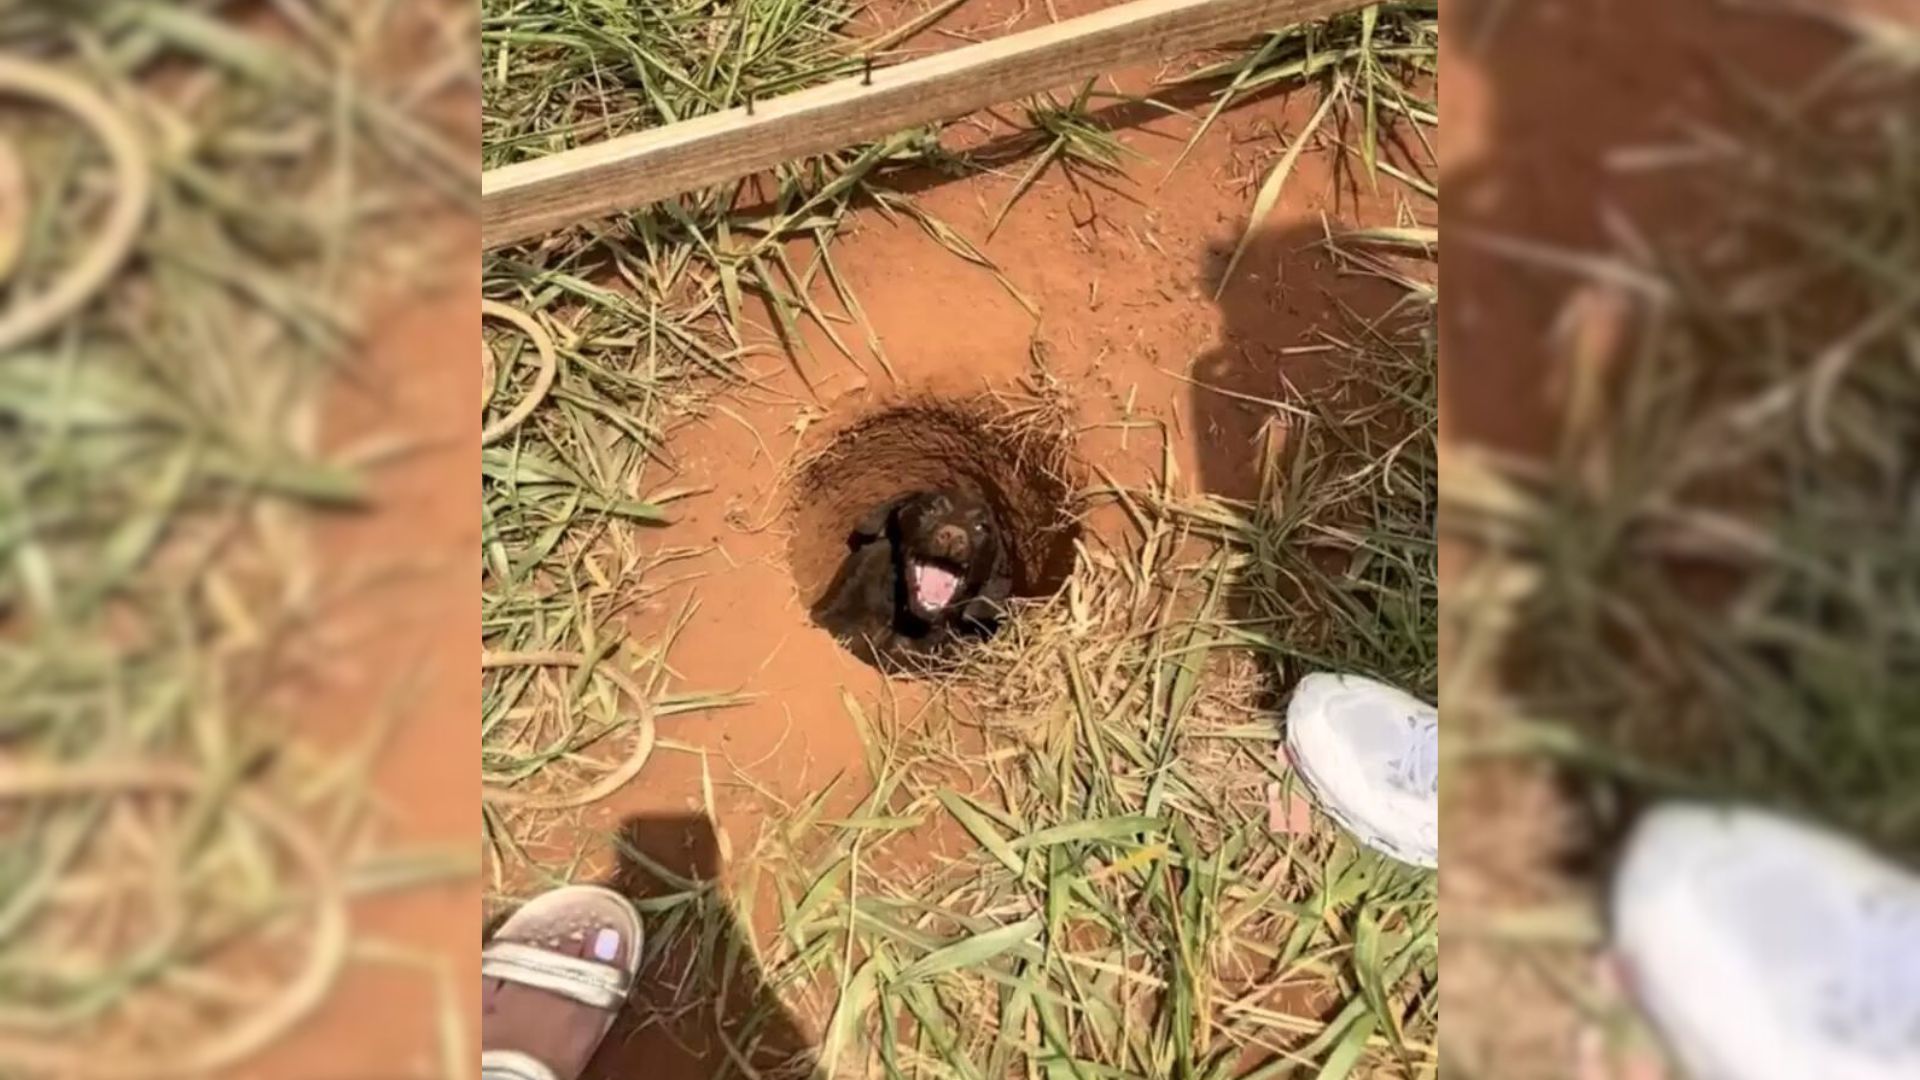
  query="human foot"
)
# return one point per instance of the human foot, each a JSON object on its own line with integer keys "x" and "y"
{"x": 552, "y": 979}
{"x": 1370, "y": 754}
{"x": 1764, "y": 949}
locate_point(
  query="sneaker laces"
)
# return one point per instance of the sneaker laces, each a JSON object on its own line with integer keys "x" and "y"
{"x": 1417, "y": 772}
{"x": 1871, "y": 998}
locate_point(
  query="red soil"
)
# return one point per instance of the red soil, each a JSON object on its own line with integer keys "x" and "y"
{"x": 406, "y": 647}
{"x": 1122, "y": 275}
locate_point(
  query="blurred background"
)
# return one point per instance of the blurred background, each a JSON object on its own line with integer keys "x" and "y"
{"x": 237, "y": 327}
{"x": 1681, "y": 468}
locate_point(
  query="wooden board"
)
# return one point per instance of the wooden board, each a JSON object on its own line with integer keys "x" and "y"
{"x": 523, "y": 201}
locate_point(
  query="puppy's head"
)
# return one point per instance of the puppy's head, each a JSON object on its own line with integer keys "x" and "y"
{"x": 948, "y": 543}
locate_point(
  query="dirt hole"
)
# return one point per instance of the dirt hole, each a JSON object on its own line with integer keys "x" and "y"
{"x": 1021, "y": 463}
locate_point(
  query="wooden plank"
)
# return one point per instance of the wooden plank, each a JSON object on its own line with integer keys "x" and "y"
{"x": 525, "y": 200}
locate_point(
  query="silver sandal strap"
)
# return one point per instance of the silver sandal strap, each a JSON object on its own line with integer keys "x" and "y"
{"x": 513, "y": 1065}
{"x": 586, "y": 981}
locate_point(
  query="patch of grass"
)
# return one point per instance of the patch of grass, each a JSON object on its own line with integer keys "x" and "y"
{"x": 565, "y": 73}
{"x": 1068, "y": 135}
{"x": 174, "y": 862}
{"x": 1724, "y": 551}
{"x": 1376, "y": 52}
{"x": 1369, "y": 66}
{"x": 1339, "y": 551}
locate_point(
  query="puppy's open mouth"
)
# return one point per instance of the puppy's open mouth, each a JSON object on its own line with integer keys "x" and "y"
{"x": 933, "y": 584}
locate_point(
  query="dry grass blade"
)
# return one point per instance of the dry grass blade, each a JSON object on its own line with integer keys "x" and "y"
{"x": 26, "y": 319}
{"x": 615, "y": 778}
{"x": 245, "y": 1035}
{"x": 1269, "y": 195}
{"x": 543, "y": 382}
{"x": 176, "y": 296}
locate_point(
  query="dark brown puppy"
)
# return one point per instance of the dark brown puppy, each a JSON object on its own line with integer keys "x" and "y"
{"x": 924, "y": 572}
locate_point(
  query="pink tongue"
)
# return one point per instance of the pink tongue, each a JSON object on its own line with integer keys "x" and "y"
{"x": 934, "y": 585}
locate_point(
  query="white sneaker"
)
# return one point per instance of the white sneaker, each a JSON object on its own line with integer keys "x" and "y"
{"x": 1764, "y": 949}
{"x": 1370, "y": 753}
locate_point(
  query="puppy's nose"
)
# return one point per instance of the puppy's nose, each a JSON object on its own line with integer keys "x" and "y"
{"x": 950, "y": 541}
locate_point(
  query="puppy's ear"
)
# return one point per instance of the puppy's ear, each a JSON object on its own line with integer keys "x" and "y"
{"x": 873, "y": 525}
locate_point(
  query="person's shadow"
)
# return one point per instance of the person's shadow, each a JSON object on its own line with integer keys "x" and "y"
{"x": 1292, "y": 312}
{"x": 700, "y": 1007}
{"x": 1285, "y": 309}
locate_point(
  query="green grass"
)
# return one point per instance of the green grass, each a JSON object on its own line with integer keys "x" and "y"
{"x": 1068, "y": 135}
{"x": 155, "y": 576}
{"x": 1379, "y": 54}
{"x": 1339, "y": 551}
{"x": 1375, "y": 70}
{"x": 563, "y": 73}
{"x": 1708, "y": 588}
{"x": 1725, "y": 550}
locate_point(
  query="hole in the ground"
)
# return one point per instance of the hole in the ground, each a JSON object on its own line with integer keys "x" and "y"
{"x": 1022, "y": 471}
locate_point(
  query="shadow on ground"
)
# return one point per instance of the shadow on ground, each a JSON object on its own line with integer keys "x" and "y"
{"x": 1288, "y": 310}
{"x": 701, "y": 1006}
{"x": 1286, "y": 292}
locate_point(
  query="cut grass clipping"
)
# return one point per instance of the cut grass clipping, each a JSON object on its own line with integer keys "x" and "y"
{"x": 187, "y": 204}
{"x": 1121, "y": 908}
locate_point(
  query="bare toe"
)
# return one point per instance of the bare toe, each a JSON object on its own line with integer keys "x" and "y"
{"x": 556, "y": 1030}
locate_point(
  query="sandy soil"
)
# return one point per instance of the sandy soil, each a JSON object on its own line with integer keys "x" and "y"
{"x": 1122, "y": 271}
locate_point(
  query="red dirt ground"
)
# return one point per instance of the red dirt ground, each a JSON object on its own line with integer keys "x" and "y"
{"x": 1122, "y": 271}
{"x": 399, "y": 641}
{"x": 1152, "y": 257}
{"x": 411, "y": 651}
{"x": 1537, "y": 96}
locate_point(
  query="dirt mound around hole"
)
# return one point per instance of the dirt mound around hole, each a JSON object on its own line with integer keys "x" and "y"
{"x": 1025, "y": 470}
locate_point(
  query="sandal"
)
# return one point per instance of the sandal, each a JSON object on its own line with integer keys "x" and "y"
{"x": 553, "y": 978}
